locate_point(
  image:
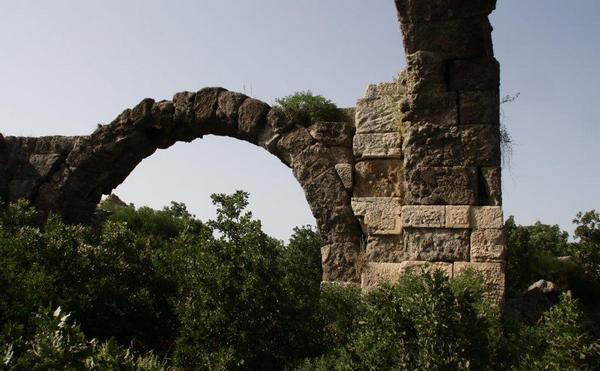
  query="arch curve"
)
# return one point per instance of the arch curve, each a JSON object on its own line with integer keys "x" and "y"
{"x": 96, "y": 164}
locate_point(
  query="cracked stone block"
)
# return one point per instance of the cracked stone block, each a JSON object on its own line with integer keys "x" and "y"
{"x": 487, "y": 245}
{"x": 377, "y": 273}
{"x": 484, "y": 217}
{"x": 346, "y": 173}
{"x": 492, "y": 275}
{"x": 423, "y": 216}
{"x": 378, "y": 215}
{"x": 379, "y": 178}
{"x": 378, "y": 145}
{"x": 458, "y": 216}
{"x": 437, "y": 244}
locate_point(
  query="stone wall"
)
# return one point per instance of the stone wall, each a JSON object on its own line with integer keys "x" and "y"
{"x": 408, "y": 180}
{"x": 447, "y": 213}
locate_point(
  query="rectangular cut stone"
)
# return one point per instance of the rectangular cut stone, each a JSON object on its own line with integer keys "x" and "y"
{"x": 380, "y": 115}
{"x": 346, "y": 173}
{"x": 332, "y": 133}
{"x": 487, "y": 245}
{"x": 458, "y": 216}
{"x": 379, "y": 178}
{"x": 438, "y": 108}
{"x": 417, "y": 11}
{"x": 388, "y": 249}
{"x": 425, "y": 71}
{"x": 377, "y": 273}
{"x": 384, "y": 89}
{"x": 484, "y": 217}
{"x": 492, "y": 275}
{"x": 379, "y": 215}
{"x": 437, "y": 244}
{"x": 441, "y": 185}
{"x": 423, "y": 216}
{"x": 461, "y": 74}
{"x": 448, "y": 38}
{"x": 432, "y": 145}
{"x": 481, "y": 145}
{"x": 479, "y": 107}
{"x": 378, "y": 145}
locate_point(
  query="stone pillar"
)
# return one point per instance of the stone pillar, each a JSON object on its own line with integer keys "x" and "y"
{"x": 431, "y": 144}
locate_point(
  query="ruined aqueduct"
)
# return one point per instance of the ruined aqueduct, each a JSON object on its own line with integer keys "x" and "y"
{"x": 410, "y": 178}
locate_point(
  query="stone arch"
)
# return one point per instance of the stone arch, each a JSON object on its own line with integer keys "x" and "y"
{"x": 420, "y": 168}
{"x": 94, "y": 165}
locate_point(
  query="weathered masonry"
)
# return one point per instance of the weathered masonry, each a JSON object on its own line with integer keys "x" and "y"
{"x": 409, "y": 179}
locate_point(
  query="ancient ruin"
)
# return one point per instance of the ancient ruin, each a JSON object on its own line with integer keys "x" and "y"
{"x": 409, "y": 179}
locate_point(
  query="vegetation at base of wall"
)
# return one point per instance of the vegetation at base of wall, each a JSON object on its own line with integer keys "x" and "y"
{"x": 159, "y": 289}
{"x": 304, "y": 107}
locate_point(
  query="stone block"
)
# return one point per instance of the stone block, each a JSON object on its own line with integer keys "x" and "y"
{"x": 251, "y": 118}
{"x": 437, "y": 108}
{"x": 423, "y": 216}
{"x": 458, "y": 216}
{"x": 474, "y": 74}
{"x": 384, "y": 89}
{"x": 341, "y": 155}
{"x": 332, "y": 133}
{"x": 381, "y": 115}
{"x": 378, "y": 145}
{"x": 441, "y": 186}
{"x": 426, "y": 144}
{"x": 479, "y": 107}
{"x": 481, "y": 145}
{"x": 379, "y": 178}
{"x": 487, "y": 245}
{"x": 437, "y": 244}
{"x": 417, "y": 11}
{"x": 377, "y": 273}
{"x": 487, "y": 217}
{"x": 346, "y": 173}
{"x": 378, "y": 215}
{"x": 453, "y": 39}
{"x": 340, "y": 262}
{"x": 388, "y": 249}
{"x": 426, "y": 72}
{"x": 492, "y": 275}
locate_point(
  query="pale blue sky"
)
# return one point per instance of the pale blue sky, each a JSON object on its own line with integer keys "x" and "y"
{"x": 67, "y": 65}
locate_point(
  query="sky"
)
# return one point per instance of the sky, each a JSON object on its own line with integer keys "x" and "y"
{"x": 67, "y": 65}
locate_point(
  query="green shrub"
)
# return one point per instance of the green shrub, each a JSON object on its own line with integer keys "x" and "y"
{"x": 248, "y": 302}
{"x": 304, "y": 108}
{"x": 422, "y": 322}
{"x": 58, "y": 343}
{"x": 561, "y": 341}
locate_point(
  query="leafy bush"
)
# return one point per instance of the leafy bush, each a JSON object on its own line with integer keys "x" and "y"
{"x": 224, "y": 295}
{"x": 303, "y": 108}
{"x": 422, "y": 322}
{"x": 58, "y": 343}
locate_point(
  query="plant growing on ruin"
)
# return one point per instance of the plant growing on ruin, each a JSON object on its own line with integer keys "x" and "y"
{"x": 506, "y": 139}
{"x": 304, "y": 107}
